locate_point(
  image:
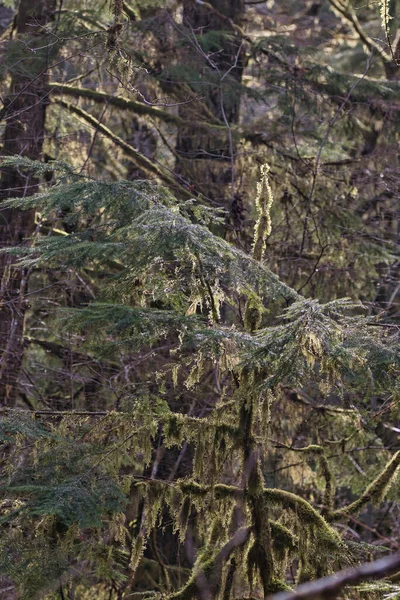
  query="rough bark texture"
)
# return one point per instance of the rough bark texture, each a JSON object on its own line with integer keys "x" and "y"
{"x": 24, "y": 113}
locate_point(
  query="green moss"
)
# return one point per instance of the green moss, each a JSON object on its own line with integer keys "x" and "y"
{"x": 374, "y": 492}
{"x": 282, "y": 538}
{"x": 277, "y": 585}
{"x": 203, "y": 568}
{"x": 306, "y": 514}
{"x": 191, "y": 487}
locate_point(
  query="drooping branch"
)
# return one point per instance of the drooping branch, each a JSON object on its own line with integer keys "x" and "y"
{"x": 303, "y": 509}
{"x": 374, "y": 491}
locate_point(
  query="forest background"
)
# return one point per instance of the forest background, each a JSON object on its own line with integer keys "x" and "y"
{"x": 199, "y": 318}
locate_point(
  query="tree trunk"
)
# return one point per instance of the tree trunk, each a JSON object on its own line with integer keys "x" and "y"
{"x": 206, "y": 161}
{"x": 24, "y": 112}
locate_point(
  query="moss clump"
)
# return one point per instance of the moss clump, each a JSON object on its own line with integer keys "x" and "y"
{"x": 282, "y": 538}
{"x": 306, "y": 514}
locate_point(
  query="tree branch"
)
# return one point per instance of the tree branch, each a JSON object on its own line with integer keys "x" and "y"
{"x": 373, "y": 492}
{"x": 206, "y": 577}
{"x": 329, "y": 587}
{"x": 348, "y": 14}
{"x": 138, "y": 108}
{"x": 144, "y": 163}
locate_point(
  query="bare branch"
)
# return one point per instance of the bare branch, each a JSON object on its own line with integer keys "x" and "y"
{"x": 148, "y": 166}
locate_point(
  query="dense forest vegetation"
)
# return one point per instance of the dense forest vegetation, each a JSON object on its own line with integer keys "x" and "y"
{"x": 199, "y": 299}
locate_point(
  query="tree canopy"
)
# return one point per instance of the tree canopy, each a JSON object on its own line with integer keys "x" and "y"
{"x": 199, "y": 334}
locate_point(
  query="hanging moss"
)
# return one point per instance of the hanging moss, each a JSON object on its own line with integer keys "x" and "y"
{"x": 325, "y": 471}
{"x": 282, "y": 538}
{"x": 184, "y": 517}
{"x": 138, "y": 548}
{"x": 174, "y": 430}
{"x": 263, "y": 202}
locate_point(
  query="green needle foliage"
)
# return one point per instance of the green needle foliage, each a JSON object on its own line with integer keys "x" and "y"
{"x": 80, "y": 492}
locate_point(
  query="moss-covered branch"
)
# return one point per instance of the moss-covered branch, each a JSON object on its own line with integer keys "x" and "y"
{"x": 206, "y": 576}
{"x": 374, "y": 492}
{"x": 138, "y": 108}
{"x": 306, "y": 514}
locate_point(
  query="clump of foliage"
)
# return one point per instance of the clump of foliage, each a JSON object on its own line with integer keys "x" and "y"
{"x": 199, "y": 340}
{"x": 72, "y": 477}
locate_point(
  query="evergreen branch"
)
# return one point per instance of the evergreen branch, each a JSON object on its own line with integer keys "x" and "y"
{"x": 325, "y": 80}
{"x": 374, "y": 492}
{"x": 330, "y": 587}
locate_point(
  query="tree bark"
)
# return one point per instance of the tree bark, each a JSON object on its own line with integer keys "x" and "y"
{"x": 24, "y": 112}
